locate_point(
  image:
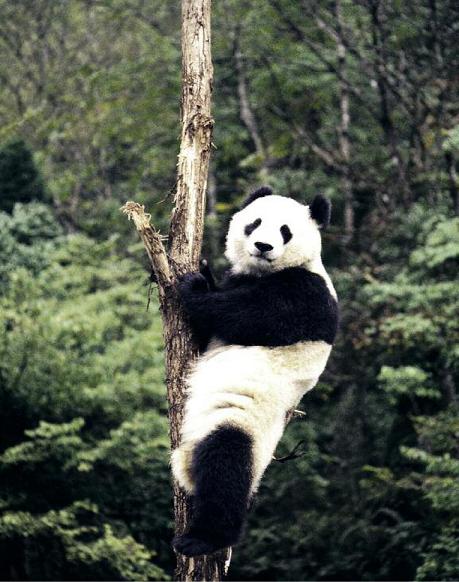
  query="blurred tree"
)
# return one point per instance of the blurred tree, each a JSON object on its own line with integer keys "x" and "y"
{"x": 88, "y": 82}
{"x": 20, "y": 180}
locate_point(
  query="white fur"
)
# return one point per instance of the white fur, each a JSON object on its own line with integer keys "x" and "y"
{"x": 253, "y": 387}
{"x": 303, "y": 250}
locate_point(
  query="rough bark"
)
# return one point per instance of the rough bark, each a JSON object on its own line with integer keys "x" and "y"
{"x": 185, "y": 239}
{"x": 193, "y": 161}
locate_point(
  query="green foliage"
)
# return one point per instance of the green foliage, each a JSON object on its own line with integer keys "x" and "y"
{"x": 441, "y": 246}
{"x": 27, "y": 238}
{"x": 441, "y": 563}
{"x": 407, "y": 380}
{"x": 438, "y": 455}
{"x": 71, "y": 540}
{"x": 84, "y": 462}
{"x": 48, "y": 442}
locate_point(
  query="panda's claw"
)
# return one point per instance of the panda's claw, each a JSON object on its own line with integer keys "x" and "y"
{"x": 194, "y": 282}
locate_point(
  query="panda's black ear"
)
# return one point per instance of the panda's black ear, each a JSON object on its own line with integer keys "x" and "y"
{"x": 320, "y": 209}
{"x": 259, "y": 193}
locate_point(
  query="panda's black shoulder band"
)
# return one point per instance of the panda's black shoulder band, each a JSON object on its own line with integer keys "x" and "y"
{"x": 280, "y": 309}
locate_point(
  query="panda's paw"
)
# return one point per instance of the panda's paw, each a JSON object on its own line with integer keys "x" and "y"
{"x": 193, "y": 283}
{"x": 188, "y": 545}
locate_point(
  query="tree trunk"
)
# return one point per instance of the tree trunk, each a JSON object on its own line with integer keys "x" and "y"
{"x": 185, "y": 239}
{"x": 343, "y": 131}
{"x": 245, "y": 109}
{"x": 453, "y": 181}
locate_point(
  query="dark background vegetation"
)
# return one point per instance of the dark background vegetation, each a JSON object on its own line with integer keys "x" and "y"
{"x": 354, "y": 99}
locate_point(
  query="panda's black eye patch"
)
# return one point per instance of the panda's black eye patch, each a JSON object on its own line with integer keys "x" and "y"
{"x": 252, "y": 226}
{"x": 286, "y": 233}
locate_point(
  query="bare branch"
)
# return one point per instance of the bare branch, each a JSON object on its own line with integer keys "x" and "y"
{"x": 246, "y": 113}
{"x": 152, "y": 242}
{"x": 325, "y": 155}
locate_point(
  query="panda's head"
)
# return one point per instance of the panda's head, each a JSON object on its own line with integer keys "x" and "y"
{"x": 272, "y": 232}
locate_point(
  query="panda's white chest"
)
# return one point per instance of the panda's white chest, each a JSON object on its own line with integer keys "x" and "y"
{"x": 281, "y": 374}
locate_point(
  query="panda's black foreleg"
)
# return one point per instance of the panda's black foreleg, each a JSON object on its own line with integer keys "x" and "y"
{"x": 222, "y": 473}
{"x": 205, "y": 270}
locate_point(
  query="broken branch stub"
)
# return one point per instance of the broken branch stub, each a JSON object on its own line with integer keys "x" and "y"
{"x": 152, "y": 243}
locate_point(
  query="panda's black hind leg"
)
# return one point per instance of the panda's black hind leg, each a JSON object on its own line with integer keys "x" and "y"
{"x": 190, "y": 546}
{"x": 222, "y": 473}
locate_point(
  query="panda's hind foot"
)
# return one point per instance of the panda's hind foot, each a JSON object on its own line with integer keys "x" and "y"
{"x": 189, "y": 545}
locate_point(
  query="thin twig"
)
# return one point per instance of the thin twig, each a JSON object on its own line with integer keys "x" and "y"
{"x": 295, "y": 453}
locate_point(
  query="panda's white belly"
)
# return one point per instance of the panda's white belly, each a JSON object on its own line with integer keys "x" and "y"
{"x": 251, "y": 387}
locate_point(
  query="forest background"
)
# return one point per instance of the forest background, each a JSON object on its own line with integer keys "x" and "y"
{"x": 353, "y": 99}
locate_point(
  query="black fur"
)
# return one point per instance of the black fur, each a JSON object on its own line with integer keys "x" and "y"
{"x": 207, "y": 272}
{"x": 320, "y": 209}
{"x": 222, "y": 472}
{"x": 259, "y": 193}
{"x": 286, "y": 233}
{"x": 252, "y": 227}
{"x": 278, "y": 309}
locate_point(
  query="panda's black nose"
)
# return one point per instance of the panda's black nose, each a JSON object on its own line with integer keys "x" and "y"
{"x": 263, "y": 247}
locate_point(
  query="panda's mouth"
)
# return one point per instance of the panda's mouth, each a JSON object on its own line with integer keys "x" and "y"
{"x": 262, "y": 257}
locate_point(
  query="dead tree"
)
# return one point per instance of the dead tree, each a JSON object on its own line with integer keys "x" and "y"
{"x": 343, "y": 129}
{"x": 184, "y": 249}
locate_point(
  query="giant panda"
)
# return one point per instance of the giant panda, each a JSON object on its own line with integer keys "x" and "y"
{"x": 270, "y": 327}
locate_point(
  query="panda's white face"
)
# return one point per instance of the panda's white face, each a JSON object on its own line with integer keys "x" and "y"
{"x": 270, "y": 234}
